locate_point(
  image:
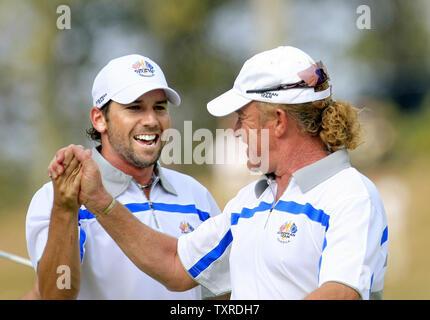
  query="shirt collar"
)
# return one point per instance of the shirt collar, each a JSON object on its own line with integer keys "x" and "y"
{"x": 116, "y": 182}
{"x": 262, "y": 184}
{"x": 312, "y": 175}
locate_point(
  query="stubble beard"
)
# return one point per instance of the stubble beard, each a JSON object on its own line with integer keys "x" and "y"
{"x": 129, "y": 155}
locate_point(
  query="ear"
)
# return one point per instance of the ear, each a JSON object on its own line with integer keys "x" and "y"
{"x": 98, "y": 120}
{"x": 281, "y": 119}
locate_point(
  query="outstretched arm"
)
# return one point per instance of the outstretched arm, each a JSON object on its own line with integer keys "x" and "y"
{"x": 153, "y": 252}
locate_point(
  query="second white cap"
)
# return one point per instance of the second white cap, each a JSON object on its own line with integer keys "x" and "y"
{"x": 280, "y": 67}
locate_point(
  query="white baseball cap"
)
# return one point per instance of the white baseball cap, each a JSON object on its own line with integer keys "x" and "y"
{"x": 284, "y": 75}
{"x": 126, "y": 78}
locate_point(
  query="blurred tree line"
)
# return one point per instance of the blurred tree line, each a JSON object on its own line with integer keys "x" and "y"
{"x": 47, "y": 74}
{"x": 397, "y": 49}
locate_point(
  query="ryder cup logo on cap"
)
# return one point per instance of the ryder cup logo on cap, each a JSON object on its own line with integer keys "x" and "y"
{"x": 125, "y": 79}
{"x": 143, "y": 68}
{"x": 285, "y": 75}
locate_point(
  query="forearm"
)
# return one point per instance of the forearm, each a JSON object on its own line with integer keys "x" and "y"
{"x": 333, "y": 291}
{"x": 153, "y": 252}
{"x": 62, "y": 249}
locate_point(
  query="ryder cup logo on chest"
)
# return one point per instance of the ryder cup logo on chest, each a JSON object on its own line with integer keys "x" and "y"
{"x": 143, "y": 68}
{"x": 185, "y": 227}
{"x": 287, "y": 232}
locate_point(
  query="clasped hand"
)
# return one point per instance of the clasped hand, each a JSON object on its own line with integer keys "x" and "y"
{"x": 77, "y": 180}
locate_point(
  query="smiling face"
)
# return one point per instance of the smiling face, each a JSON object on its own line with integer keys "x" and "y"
{"x": 131, "y": 135}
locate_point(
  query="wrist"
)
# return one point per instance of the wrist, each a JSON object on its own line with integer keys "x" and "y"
{"x": 108, "y": 209}
{"x": 63, "y": 217}
{"x": 61, "y": 208}
{"x": 103, "y": 206}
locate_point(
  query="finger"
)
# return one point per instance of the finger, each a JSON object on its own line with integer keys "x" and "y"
{"x": 59, "y": 156}
{"x": 74, "y": 164}
{"x": 52, "y": 169}
{"x": 78, "y": 147}
{"x": 79, "y": 153}
{"x": 75, "y": 177}
{"x": 62, "y": 159}
{"x": 82, "y": 154}
{"x": 78, "y": 175}
{"x": 68, "y": 155}
{"x": 78, "y": 180}
{"x": 55, "y": 167}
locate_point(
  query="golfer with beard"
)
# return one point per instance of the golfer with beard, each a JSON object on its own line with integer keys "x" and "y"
{"x": 73, "y": 255}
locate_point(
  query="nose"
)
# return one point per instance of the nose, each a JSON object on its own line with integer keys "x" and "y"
{"x": 149, "y": 119}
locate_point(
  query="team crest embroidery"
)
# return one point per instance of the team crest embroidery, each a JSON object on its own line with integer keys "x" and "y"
{"x": 185, "y": 227}
{"x": 287, "y": 232}
{"x": 143, "y": 68}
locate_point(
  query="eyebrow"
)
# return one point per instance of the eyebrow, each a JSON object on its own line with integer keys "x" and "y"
{"x": 157, "y": 102}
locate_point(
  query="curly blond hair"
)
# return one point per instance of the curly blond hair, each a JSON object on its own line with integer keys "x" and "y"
{"x": 336, "y": 122}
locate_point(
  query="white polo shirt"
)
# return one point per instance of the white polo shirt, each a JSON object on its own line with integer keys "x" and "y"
{"x": 178, "y": 204}
{"x": 328, "y": 225}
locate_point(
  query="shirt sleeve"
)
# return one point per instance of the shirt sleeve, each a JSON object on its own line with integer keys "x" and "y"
{"x": 352, "y": 252}
{"x": 214, "y": 210}
{"x": 205, "y": 252}
{"x": 37, "y": 223}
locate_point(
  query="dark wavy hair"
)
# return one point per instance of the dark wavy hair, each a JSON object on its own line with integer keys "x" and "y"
{"x": 92, "y": 133}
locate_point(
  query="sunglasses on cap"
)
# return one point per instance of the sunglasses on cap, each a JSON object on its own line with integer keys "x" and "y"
{"x": 312, "y": 77}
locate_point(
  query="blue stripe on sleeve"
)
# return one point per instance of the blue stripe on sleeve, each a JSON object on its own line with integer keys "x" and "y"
{"x": 213, "y": 255}
{"x": 82, "y": 238}
{"x": 319, "y": 262}
{"x": 384, "y": 237}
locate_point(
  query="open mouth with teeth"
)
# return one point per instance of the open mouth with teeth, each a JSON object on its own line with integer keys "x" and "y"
{"x": 148, "y": 140}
